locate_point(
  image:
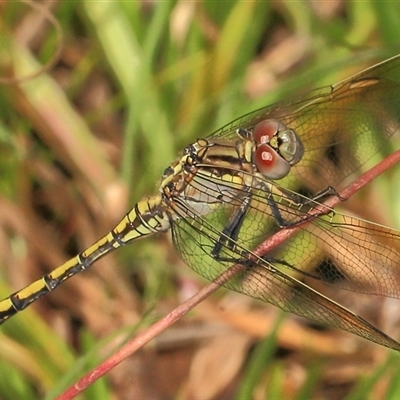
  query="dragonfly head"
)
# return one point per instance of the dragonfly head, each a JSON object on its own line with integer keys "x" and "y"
{"x": 277, "y": 148}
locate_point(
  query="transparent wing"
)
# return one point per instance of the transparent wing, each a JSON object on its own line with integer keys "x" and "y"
{"x": 335, "y": 249}
{"x": 341, "y": 126}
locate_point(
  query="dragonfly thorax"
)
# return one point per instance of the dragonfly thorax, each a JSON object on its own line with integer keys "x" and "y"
{"x": 210, "y": 172}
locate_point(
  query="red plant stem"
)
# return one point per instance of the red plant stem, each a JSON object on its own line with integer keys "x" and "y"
{"x": 143, "y": 338}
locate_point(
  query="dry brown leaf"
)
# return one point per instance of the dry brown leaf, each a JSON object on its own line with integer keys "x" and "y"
{"x": 218, "y": 362}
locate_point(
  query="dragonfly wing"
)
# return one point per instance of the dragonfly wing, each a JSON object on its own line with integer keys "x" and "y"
{"x": 341, "y": 126}
{"x": 275, "y": 287}
{"x": 346, "y": 252}
{"x": 334, "y": 249}
{"x": 194, "y": 238}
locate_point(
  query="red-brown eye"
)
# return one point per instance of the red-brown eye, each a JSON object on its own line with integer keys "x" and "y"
{"x": 265, "y": 130}
{"x": 270, "y": 163}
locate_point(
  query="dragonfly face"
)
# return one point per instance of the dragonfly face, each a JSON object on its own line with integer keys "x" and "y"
{"x": 235, "y": 189}
{"x": 277, "y": 148}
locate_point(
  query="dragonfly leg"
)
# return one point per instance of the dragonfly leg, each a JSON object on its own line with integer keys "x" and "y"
{"x": 297, "y": 202}
{"x": 231, "y": 231}
{"x": 323, "y": 195}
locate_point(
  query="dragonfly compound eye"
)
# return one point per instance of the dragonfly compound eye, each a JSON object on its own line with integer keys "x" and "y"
{"x": 289, "y": 146}
{"x": 278, "y": 148}
{"x": 265, "y": 130}
{"x": 270, "y": 163}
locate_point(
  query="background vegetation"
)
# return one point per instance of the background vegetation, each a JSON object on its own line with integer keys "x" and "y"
{"x": 136, "y": 82}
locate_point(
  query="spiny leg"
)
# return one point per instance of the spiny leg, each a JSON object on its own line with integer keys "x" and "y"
{"x": 296, "y": 203}
{"x": 230, "y": 233}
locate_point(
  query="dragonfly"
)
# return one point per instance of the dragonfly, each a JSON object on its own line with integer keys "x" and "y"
{"x": 264, "y": 172}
